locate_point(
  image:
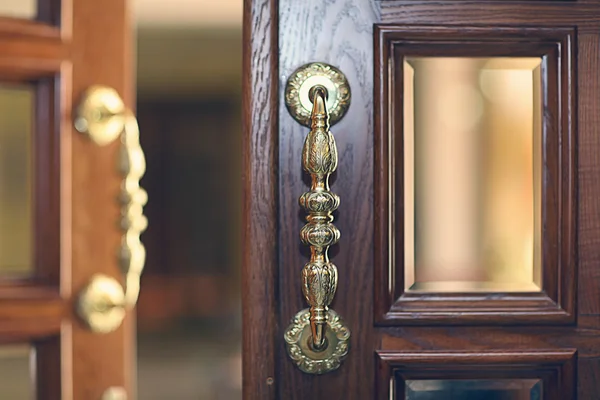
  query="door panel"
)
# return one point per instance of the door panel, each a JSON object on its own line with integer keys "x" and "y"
{"x": 64, "y": 194}
{"x": 402, "y": 337}
{"x": 551, "y": 375}
{"x": 396, "y": 199}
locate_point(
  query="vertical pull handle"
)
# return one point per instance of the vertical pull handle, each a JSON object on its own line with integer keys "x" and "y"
{"x": 318, "y": 340}
{"x": 103, "y": 117}
{"x": 319, "y": 159}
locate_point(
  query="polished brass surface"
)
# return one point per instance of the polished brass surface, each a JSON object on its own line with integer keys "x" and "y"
{"x": 298, "y": 337}
{"x": 103, "y": 303}
{"x": 472, "y": 155}
{"x": 115, "y": 393}
{"x": 298, "y": 100}
{"x": 316, "y": 342}
{"x": 101, "y": 114}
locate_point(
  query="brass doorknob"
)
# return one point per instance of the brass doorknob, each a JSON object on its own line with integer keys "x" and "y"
{"x": 318, "y": 340}
{"x": 103, "y": 117}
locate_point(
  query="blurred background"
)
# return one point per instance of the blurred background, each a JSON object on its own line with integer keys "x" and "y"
{"x": 189, "y": 64}
{"x": 189, "y": 61}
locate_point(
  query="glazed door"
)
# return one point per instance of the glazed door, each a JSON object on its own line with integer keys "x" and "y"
{"x": 59, "y": 217}
{"x": 468, "y": 261}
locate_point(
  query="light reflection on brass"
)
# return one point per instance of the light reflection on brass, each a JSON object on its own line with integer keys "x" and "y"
{"x": 317, "y": 339}
{"x": 102, "y": 116}
{"x": 472, "y": 174}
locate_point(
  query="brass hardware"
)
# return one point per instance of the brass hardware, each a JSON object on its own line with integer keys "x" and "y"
{"x": 100, "y": 114}
{"x": 317, "y": 339}
{"x": 297, "y": 90}
{"x": 299, "y": 343}
{"x": 114, "y": 393}
{"x": 103, "y": 303}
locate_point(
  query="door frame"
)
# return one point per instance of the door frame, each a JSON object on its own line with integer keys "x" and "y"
{"x": 260, "y": 262}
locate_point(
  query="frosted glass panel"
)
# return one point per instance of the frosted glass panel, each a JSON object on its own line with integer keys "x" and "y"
{"x": 19, "y": 8}
{"x": 16, "y": 116}
{"x": 16, "y": 376}
{"x": 501, "y": 389}
{"x": 472, "y": 174}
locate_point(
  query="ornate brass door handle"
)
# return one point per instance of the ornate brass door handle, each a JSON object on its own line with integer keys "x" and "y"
{"x": 102, "y": 116}
{"x": 317, "y": 340}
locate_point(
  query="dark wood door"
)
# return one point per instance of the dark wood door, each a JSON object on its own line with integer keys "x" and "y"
{"x": 59, "y": 214}
{"x": 463, "y": 273}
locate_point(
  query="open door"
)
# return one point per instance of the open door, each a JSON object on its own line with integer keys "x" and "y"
{"x": 59, "y": 211}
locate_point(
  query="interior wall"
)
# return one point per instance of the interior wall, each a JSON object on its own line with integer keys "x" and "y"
{"x": 189, "y": 111}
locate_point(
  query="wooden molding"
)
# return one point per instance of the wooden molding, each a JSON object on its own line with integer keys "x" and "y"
{"x": 556, "y": 369}
{"x": 556, "y": 302}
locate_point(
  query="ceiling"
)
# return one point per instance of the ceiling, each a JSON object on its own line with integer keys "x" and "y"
{"x": 161, "y": 13}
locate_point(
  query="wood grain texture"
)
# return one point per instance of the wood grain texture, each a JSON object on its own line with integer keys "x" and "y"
{"x": 588, "y": 373}
{"x": 338, "y": 33}
{"x": 556, "y": 302}
{"x": 490, "y": 14}
{"x": 261, "y": 343}
{"x": 589, "y": 173}
{"x": 414, "y": 339}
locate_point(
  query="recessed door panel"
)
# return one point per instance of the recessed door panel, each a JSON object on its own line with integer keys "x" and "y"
{"x": 473, "y": 173}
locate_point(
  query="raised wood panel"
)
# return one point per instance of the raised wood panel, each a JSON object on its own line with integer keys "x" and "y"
{"x": 556, "y": 368}
{"x": 556, "y": 302}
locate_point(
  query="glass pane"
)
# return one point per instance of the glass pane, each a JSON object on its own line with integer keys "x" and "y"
{"x": 18, "y": 8}
{"x": 16, "y": 116}
{"x": 501, "y": 389}
{"x": 472, "y": 180}
{"x": 16, "y": 373}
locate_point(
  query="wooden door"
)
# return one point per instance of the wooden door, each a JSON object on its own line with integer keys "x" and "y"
{"x": 67, "y": 187}
{"x": 492, "y": 337}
